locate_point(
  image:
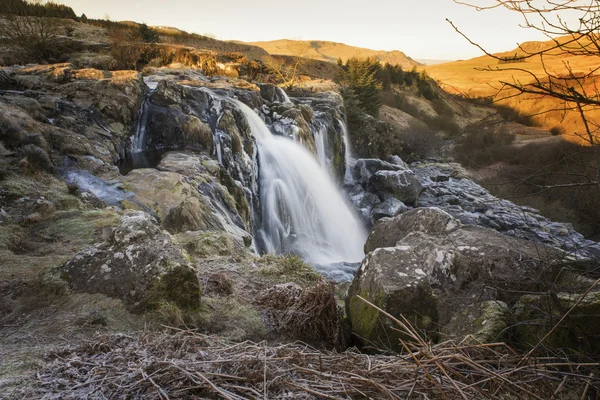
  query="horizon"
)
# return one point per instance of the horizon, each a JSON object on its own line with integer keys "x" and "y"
{"x": 419, "y": 30}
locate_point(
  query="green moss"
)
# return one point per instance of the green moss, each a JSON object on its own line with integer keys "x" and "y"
{"x": 180, "y": 286}
{"x": 288, "y": 268}
{"x": 204, "y": 244}
{"x": 365, "y": 317}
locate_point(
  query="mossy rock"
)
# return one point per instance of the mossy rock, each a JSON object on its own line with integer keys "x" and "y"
{"x": 537, "y": 315}
{"x": 486, "y": 322}
{"x": 210, "y": 243}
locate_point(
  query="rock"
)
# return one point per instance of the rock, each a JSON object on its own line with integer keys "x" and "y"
{"x": 389, "y": 280}
{"x": 537, "y": 315}
{"x": 485, "y": 322}
{"x": 171, "y": 198}
{"x": 397, "y": 161}
{"x": 403, "y": 185}
{"x": 364, "y": 168}
{"x": 388, "y": 208}
{"x": 389, "y": 231}
{"x": 447, "y": 186}
{"x": 139, "y": 264}
{"x": 432, "y": 268}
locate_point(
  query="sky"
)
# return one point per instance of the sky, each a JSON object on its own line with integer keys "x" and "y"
{"x": 416, "y": 27}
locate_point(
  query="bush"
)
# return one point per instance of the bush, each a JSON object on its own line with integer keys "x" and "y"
{"x": 419, "y": 143}
{"x": 37, "y": 158}
{"x": 557, "y": 130}
{"x": 483, "y": 146}
{"x": 10, "y": 133}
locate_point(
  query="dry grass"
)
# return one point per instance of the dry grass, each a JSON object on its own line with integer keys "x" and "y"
{"x": 186, "y": 365}
{"x": 467, "y": 77}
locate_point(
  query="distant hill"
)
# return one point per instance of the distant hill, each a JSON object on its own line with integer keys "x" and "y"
{"x": 468, "y": 77}
{"x": 431, "y": 61}
{"x": 331, "y": 51}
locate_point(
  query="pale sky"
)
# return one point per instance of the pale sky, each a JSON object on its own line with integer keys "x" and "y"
{"x": 416, "y": 27}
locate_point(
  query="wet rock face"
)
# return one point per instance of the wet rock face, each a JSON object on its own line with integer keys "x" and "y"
{"x": 446, "y": 186}
{"x": 383, "y": 189}
{"x": 427, "y": 266}
{"x": 139, "y": 264}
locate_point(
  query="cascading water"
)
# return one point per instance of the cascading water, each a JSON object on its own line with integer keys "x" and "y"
{"x": 350, "y": 161}
{"x": 283, "y": 95}
{"x": 302, "y": 211}
{"x": 139, "y": 139}
{"x": 320, "y": 144}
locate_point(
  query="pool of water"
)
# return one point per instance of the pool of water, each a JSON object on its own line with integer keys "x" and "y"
{"x": 142, "y": 159}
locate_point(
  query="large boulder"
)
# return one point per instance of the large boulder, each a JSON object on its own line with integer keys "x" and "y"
{"x": 389, "y": 231}
{"x": 433, "y": 268}
{"x": 140, "y": 263}
{"x": 364, "y": 168}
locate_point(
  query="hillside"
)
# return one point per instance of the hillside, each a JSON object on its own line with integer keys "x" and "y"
{"x": 332, "y": 51}
{"x": 469, "y": 78}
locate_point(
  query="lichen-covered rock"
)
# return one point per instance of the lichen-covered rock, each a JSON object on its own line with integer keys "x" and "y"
{"x": 433, "y": 268}
{"x": 389, "y": 231}
{"x": 486, "y": 322}
{"x": 139, "y": 263}
{"x": 388, "y": 279}
{"x": 171, "y": 198}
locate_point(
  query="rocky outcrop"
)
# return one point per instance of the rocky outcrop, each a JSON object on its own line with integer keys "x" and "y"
{"x": 76, "y": 112}
{"x": 447, "y": 186}
{"x": 184, "y": 196}
{"x": 428, "y": 267}
{"x": 383, "y": 189}
{"x": 139, "y": 263}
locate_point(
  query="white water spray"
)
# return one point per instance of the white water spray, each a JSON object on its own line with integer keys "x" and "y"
{"x": 302, "y": 210}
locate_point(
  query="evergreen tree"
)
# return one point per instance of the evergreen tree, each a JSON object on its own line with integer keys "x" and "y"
{"x": 360, "y": 77}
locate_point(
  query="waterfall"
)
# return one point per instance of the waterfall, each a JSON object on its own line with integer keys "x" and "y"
{"x": 139, "y": 139}
{"x": 302, "y": 211}
{"x": 320, "y": 143}
{"x": 283, "y": 95}
{"x": 348, "y": 180}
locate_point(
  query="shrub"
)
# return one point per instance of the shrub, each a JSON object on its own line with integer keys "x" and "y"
{"x": 419, "y": 143}
{"x": 557, "y": 130}
{"x": 37, "y": 158}
{"x": 10, "y": 133}
{"x": 483, "y": 146}
{"x": 446, "y": 123}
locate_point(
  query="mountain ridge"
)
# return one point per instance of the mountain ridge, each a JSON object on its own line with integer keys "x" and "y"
{"x": 331, "y": 51}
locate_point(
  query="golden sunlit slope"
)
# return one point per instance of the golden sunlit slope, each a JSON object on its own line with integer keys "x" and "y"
{"x": 468, "y": 77}
{"x": 331, "y": 51}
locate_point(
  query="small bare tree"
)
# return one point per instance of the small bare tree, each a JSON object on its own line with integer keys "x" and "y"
{"x": 33, "y": 33}
{"x": 288, "y": 68}
{"x": 573, "y": 29}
